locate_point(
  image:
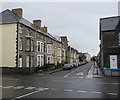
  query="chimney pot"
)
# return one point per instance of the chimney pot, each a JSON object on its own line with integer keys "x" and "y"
{"x": 44, "y": 29}
{"x": 37, "y": 23}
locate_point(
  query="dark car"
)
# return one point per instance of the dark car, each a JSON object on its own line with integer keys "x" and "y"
{"x": 74, "y": 65}
{"x": 67, "y": 66}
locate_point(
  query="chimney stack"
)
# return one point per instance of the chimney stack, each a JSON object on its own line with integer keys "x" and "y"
{"x": 18, "y": 12}
{"x": 44, "y": 29}
{"x": 37, "y": 23}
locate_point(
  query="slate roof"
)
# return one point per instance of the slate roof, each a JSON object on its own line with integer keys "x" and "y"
{"x": 8, "y": 16}
{"x": 110, "y": 23}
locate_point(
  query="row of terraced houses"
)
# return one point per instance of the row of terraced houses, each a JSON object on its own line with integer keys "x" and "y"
{"x": 28, "y": 45}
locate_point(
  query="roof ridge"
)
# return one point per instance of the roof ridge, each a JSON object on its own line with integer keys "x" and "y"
{"x": 14, "y": 15}
{"x": 4, "y": 10}
{"x": 27, "y": 23}
{"x": 110, "y": 17}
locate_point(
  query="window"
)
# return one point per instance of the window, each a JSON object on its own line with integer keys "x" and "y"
{"x": 20, "y": 61}
{"x": 119, "y": 39}
{"x": 20, "y": 43}
{"x": 40, "y": 60}
{"x": 28, "y": 44}
{"x": 28, "y": 32}
{"x": 64, "y": 54}
{"x": 59, "y": 60}
{"x": 27, "y": 61}
{"x": 59, "y": 52}
{"x": 49, "y": 59}
{"x": 31, "y": 65}
{"x": 41, "y": 47}
{"x": 38, "y": 46}
{"x": 49, "y": 49}
{"x": 32, "y": 46}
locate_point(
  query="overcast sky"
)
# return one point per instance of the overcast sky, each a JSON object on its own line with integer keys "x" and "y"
{"x": 79, "y": 21}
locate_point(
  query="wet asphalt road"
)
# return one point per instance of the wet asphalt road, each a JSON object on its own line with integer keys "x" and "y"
{"x": 75, "y": 83}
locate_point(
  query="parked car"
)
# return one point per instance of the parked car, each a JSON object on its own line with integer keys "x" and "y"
{"x": 67, "y": 66}
{"x": 75, "y": 65}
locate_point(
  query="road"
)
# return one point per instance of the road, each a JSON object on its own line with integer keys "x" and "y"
{"x": 74, "y": 83}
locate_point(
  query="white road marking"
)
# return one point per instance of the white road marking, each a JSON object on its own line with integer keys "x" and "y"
{"x": 18, "y": 87}
{"x": 116, "y": 83}
{"x": 90, "y": 75}
{"x": 68, "y": 90}
{"x": 96, "y": 92}
{"x": 53, "y": 89}
{"x": 107, "y": 83}
{"x": 7, "y": 87}
{"x": 81, "y": 91}
{"x": 112, "y": 93}
{"x": 81, "y": 73}
{"x": 29, "y": 93}
{"x": 1, "y": 86}
{"x": 40, "y": 88}
{"x": 94, "y": 76}
{"x": 30, "y": 88}
{"x": 67, "y": 75}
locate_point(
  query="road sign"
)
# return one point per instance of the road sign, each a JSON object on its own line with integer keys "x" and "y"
{"x": 113, "y": 61}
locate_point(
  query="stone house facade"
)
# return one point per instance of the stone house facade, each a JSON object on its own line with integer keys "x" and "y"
{"x": 29, "y": 45}
{"x": 110, "y": 42}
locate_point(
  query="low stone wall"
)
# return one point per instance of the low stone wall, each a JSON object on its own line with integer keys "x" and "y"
{"x": 25, "y": 70}
{"x": 12, "y": 70}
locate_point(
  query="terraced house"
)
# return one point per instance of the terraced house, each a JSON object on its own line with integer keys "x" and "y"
{"x": 73, "y": 55}
{"x": 27, "y": 45}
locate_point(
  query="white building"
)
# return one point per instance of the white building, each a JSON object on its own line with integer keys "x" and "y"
{"x": 88, "y": 56}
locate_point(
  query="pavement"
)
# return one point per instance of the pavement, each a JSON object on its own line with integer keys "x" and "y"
{"x": 49, "y": 72}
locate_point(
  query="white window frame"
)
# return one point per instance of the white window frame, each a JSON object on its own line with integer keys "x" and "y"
{"x": 20, "y": 44}
{"x": 20, "y": 62}
{"x": 64, "y": 54}
{"x": 41, "y": 46}
{"x": 59, "y": 52}
{"x": 51, "y": 59}
{"x": 28, "y": 44}
{"x": 41, "y": 60}
{"x": 31, "y": 63}
{"x": 38, "y": 45}
{"x": 27, "y": 61}
{"x": 32, "y": 45}
{"x": 59, "y": 59}
{"x": 49, "y": 49}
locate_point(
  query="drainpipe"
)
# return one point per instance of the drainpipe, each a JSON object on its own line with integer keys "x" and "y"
{"x": 17, "y": 47}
